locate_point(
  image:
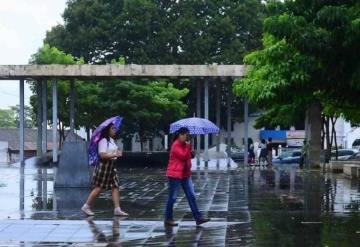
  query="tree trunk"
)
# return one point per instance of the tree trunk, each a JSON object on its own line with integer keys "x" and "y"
{"x": 327, "y": 137}
{"x": 333, "y": 122}
{"x": 313, "y": 133}
{"x": 323, "y": 132}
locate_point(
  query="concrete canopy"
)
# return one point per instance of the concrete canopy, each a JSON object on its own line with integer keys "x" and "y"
{"x": 16, "y": 72}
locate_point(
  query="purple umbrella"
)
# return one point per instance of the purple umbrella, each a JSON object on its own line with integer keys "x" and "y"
{"x": 95, "y": 138}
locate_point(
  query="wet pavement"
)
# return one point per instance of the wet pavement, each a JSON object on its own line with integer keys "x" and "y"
{"x": 278, "y": 206}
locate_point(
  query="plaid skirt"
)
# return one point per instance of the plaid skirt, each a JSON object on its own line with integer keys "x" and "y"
{"x": 105, "y": 175}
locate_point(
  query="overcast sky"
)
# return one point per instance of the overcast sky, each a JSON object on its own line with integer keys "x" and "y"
{"x": 23, "y": 24}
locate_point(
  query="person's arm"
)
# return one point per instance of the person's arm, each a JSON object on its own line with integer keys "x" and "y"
{"x": 181, "y": 153}
{"x": 109, "y": 156}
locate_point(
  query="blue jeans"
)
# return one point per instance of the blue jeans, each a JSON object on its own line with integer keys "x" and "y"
{"x": 188, "y": 188}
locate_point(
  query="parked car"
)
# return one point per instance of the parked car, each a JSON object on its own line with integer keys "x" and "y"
{"x": 355, "y": 156}
{"x": 343, "y": 154}
{"x": 236, "y": 154}
{"x": 288, "y": 157}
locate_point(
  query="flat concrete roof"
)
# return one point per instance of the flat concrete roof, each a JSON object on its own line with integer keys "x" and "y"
{"x": 15, "y": 72}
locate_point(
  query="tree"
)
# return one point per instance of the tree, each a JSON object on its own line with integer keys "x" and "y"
{"x": 52, "y": 55}
{"x": 28, "y": 116}
{"x": 147, "y": 107}
{"x": 162, "y": 32}
{"x": 159, "y": 31}
{"x": 7, "y": 119}
{"x": 307, "y": 61}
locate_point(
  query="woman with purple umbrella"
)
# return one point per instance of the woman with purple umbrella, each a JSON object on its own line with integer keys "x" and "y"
{"x": 105, "y": 174}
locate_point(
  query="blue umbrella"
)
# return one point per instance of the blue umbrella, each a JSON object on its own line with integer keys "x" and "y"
{"x": 196, "y": 126}
{"x": 95, "y": 138}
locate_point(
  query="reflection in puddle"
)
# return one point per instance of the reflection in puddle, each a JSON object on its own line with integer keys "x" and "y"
{"x": 278, "y": 206}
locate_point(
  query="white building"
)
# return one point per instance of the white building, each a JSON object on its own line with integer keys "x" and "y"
{"x": 345, "y": 134}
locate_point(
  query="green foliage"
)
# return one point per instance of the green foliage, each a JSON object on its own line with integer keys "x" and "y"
{"x": 147, "y": 107}
{"x": 310, "y": 53}
{"x": 9, "y": 118}
{"x": 51, "y": 55}
{"x": 159, "y": 31}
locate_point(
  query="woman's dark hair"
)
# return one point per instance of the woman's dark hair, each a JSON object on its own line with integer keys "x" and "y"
{"x": 181, "y": 131}
{"x": 263, "y": 141}
{"x": 105, "y": 133}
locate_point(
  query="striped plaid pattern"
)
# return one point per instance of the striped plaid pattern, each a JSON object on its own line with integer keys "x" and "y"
{"x": 105, "y": 175}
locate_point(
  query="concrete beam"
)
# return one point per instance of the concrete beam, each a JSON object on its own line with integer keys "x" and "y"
{"x": 14, "y": 72}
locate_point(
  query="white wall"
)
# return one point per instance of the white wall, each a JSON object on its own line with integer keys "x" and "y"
{"x": 345, "y": 134}
{"x": 238, "y": 133}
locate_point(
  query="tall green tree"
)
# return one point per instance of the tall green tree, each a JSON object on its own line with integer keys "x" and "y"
{"x": 52, "y": 55}
{"x": 308, "y": 61}
{"x": 160, "y": 31}
{"x": 28, "y": 116}
{"x": 7, "y": 118}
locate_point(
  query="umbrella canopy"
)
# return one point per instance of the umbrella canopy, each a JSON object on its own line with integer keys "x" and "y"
{"x": 196, "y": 126}
{"x": 96, "y": 135}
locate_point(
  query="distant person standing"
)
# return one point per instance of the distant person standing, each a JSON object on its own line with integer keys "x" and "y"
{"x": 269, "y": 147}
{"x": 263, "y": 152}
{"x": 304, "y": 151}
{"x": 251, "y": 151}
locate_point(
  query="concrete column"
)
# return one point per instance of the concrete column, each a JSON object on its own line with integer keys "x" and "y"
{"x": 198, "y": 113}
{"x": 21, "y": 118}
{"x": 44, "y": 194}
{"x": 206, "y": 116}
{"x": 218, "y": 101}
{"x": 54, "y": 190}
{"x": 166, "y": 142}
{"x": 72, "y": 106}
{"x": 228, "y": 112}
{"x": 22, "y": 189}
{"x": 54, "y": 121}
{"x": 246, "y": 130}
{"x": 22, "y": 156}
{"x": 44, "y": 117}
{"x": 39, "y": 118}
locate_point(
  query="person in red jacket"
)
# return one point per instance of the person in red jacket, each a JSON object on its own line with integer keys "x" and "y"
{"x": 179, "y": 174}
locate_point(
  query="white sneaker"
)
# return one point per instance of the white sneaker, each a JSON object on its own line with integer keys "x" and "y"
{"x": 119, "y": 212}
{"x": 86, "y": 209}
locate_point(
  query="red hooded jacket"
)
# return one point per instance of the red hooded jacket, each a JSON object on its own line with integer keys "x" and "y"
{"x": 179, "y": 166}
